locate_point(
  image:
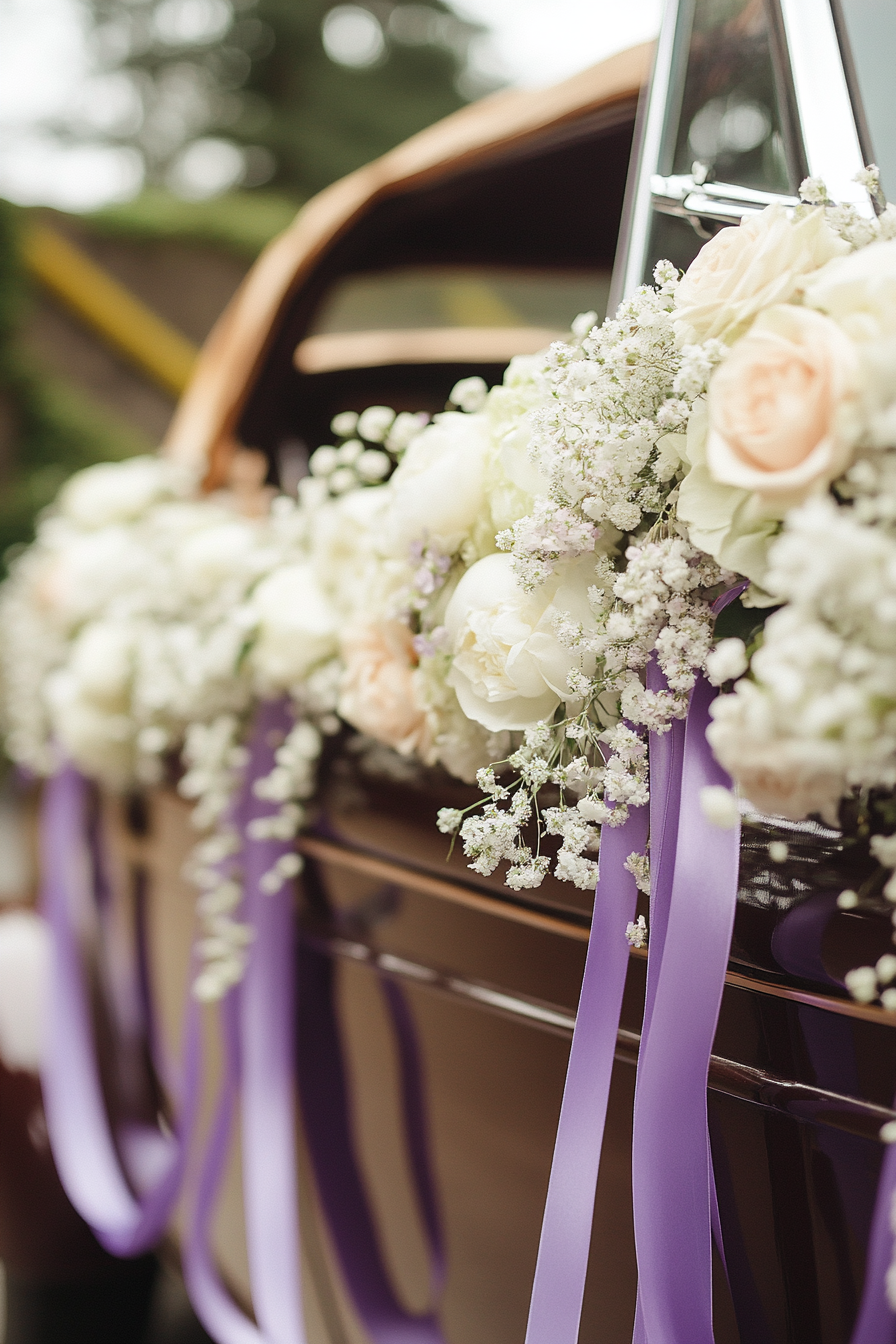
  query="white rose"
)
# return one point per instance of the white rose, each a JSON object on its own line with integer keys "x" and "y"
{"x": 297, "y": 626}
{"x": 115, "y": 491}
{"x": 99, "y": 741}
{"x": 745, "y": 269}
{"x": 343, "y": 537}
{"x": 509, "y": 669}
{"x": 217, "y": 555}
{"x": 437, "y": 491}
{"x": 102, "y": 663}
{"x": 859, "y": 291}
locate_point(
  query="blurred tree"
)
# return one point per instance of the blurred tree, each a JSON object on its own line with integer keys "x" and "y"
{"x": 219, "y": 93}
{"x": 47, "y": 429}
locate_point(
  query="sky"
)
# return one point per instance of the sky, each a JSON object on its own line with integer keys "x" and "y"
{"x": 45, "y": 78}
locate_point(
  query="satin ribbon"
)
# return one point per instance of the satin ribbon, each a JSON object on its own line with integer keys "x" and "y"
{"x": 672, "y": 1182}
{"x": 666, "y": 762}
{"x": 326, "y": 1111}
{"x": 876, "y": 1323}
{"x": 559, "y": 1286}
{"x": 91, "y": 1160}
{"x": 257, "y": 1019}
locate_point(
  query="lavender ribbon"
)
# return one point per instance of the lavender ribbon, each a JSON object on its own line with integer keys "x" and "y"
{"x": 327, "y": 1114}
{"x": 557, "y": 1293}
{"x": 876, "y": 1323}
{"x": 84, "y": 1148}
{"x": 671, "y": 1163}
{"x": 257, "y": 1019}
{"x": 257, "y": 1022}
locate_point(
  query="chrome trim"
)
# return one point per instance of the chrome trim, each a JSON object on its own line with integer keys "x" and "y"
{"x": 691, "y": 199}
{"x": 560, "y": 925}
{"x": 799, "y": 1101}
{"x": 633, "y": 248}
{"x": 827, "y": 119}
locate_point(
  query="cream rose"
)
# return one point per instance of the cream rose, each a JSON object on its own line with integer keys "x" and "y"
{"x": 729, "y": 523}
{"x": 509, "y": 668}
{"x": 297, "y": 627}
{"x": 437, "y": 492}
{"x": 380, "y": 695}
{"x": 743, "y": 270}
{"x": 779, "y": 406}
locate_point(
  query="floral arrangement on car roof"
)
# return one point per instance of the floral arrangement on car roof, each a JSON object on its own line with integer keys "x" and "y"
{"x": 484, "y": 590}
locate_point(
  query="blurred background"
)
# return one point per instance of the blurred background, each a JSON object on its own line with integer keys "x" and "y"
{"x": 149, "y": 149}
{"x": 166, "y": 141}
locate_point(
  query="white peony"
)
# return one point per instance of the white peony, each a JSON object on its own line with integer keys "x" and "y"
{"x": 437, "y": 493}
{"x": 297, "y": 627}
{"x": 112, "y": 492}
{"x": 509, "y": 668}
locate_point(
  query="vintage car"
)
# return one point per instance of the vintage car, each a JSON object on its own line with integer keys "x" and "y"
{"x": 477, "y": 240}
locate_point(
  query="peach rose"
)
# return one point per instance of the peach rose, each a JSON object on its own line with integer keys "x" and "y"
{"x": 379, "y": 688}
{"x": 745, "y": 269}
{"x": 779, "y": 406}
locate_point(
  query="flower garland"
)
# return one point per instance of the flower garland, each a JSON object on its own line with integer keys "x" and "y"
{"x": 484, "y": 591}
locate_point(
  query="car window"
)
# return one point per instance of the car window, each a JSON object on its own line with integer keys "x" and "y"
{"x": 721, "y": 135}
{"x": 435, "y": 296}
{"x": 732, "y": 115}
{"x": 867, "y": 30}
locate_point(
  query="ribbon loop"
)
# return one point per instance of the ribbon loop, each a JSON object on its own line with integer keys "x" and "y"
{"x": 84, "y": 1148}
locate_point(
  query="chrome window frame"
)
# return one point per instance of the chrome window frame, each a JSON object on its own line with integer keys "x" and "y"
{"x": 827, "y": 125}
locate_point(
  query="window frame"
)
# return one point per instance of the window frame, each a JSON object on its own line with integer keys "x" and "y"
{"x": 825, "y": 132}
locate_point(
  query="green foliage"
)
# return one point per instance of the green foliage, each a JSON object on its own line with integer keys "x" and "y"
{"x": 241, "y": 222}
{"x": 327, "y": 119}
{"x": 48, "y": 429}
{"x": 260, "y": 77}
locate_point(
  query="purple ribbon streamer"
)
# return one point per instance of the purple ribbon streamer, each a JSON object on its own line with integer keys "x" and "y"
{"x": 876, "y": 1323}
{"x": 258, "y": 1028}
{"x": 671, "y": 1162}
{"x": 557, "y": 1293}
{"x": 81, "y": 1138}
{"x": 258, "y": 1024}
{"x": 416, "y": 1125}
{"x": 327, "y": 1115}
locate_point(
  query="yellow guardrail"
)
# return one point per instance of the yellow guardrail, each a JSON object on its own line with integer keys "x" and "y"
{"x": 122, "y": 320}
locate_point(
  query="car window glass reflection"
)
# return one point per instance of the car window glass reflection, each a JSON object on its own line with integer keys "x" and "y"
{"x": 732, "y": 118}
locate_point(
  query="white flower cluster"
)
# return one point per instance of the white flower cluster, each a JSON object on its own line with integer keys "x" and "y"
{"x": 817, "y": 716}
{"x": 489, "y": 589}
{"x": 599, "y": 441}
